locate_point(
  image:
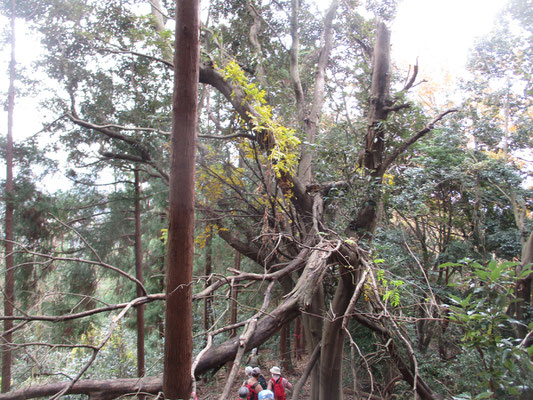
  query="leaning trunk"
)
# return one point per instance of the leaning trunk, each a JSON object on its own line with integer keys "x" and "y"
{"x": 180, "y": 251}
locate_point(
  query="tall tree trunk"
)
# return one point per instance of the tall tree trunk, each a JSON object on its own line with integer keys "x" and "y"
{"x": 141, "y": 369}
{"x": 208, "y": 301}
{"x": 312, "y": 321}
{"x": 523, "y": 287}
{"x": 180, "y": 252}
{"x": 233, "y": 306}
{"x": 333, "y": 336}
{"x": 333, "y": 343}
{"x": 235, "y": 295}
{"x": 297, "y": 347}
{"x": 9, "y": 277}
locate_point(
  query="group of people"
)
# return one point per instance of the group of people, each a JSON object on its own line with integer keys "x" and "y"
{"x": 255, "y": 387}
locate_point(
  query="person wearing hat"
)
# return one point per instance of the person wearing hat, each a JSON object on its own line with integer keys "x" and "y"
{"x": 253, "y": 385}
{"x": 260, "y": 378}
{"x": 278, "y": 384}
{"x": 243, "y": 392}
{"x": 265, "y": 395}
{"x": 248, "y": 371}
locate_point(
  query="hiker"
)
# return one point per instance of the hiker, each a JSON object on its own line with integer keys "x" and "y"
{"x": 248, "y": 371}
{"x": 253, "y": 359}
{"x": 253, "y": 386}
{"x": 278, "y": 384}
{"x": 243, "y": 392}
{"x": 260, "y": 378}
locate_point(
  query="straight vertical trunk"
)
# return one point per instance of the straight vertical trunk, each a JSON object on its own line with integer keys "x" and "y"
{"x": 233, "y": 312}
{"x": 235, "y": 295}
{"x": 312, "y": 322}
{"x": 141, "y": 369}
{"x": 297, "y": 347}
{"x": 9, "y": 277}
{"x": 333, "y": 335}
{"x": 208, "y": 271}
{"x": 180, "y": 252}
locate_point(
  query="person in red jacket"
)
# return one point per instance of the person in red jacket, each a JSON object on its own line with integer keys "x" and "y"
{"x": 278, "y": 384}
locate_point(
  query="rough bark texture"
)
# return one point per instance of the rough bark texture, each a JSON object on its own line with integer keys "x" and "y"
{"x": 141, "y": 370}
{"x": 9, "y": 299}
{"x": 107, "y": 389}
{"x": 180, "y": 251}
{"x": 207, "y": 317}
{"x": 523, "y": 287}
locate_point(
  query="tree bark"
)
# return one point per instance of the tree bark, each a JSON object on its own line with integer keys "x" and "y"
{"x": 523, "y": 287}
{"x": 9, "y": 263}
{"x": 180, "y": 252}
{"x": 141, "y": 369}
{"x": 208, "y": 270}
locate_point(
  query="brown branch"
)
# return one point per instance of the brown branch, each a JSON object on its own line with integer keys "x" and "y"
{"x": 413, "y": 139}
{"x": 249, "y": 330}
{"x": 83, "y": 261}
{"x": 68, "y": 317}
{"x": 411, "y": 81}
{"x": 102, "y": 129}
{"x": 115, "y": 387}
{"x": 226, "y": 137}
{"x": 310, "y": 365}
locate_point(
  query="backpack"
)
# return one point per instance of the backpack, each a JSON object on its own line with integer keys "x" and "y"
{"x": 278, "y": 389}
{"x": 253, "y": 393}
{"x": 262, "y": 381}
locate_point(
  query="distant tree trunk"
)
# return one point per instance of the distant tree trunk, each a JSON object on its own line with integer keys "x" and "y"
{"x": 9, "y": 277}
{"x": 283, "y": 348}
{"x": 523, "y": 287}
{"x": 312, "y": 322}
{"x": 208, "y": 301}
{"x": 235, "y": 295}
{"x": 233, "y": 310}
{"x": 141, "y": 370}
{"x": 298, "y": 345}
{"x": 180, "y": 247}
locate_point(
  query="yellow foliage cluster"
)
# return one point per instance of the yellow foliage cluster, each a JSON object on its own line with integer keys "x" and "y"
{"x": 214, "y": 179}
{"x": 209, "y": 231}
{"x": 283, "y": 156}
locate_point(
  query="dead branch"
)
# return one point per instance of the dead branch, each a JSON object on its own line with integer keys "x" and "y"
{"x": 413, "y": 139}
{"x": 68, "y": 317}
{"x": 310, "y": 365}
{"x": 249, "y": 330}
{"x": 82, "y": 261}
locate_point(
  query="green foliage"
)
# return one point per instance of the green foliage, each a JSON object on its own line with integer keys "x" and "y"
{"x": 391, "y": 288}
{"x": 480, "y": 310}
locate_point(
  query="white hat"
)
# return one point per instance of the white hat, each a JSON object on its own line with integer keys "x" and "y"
{"x": 275, "y": 371}
{"x": 265, "y": 394}
{"x": 248, "y": 370}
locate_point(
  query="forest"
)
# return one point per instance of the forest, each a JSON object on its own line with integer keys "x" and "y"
{"x": 261, "y": 174}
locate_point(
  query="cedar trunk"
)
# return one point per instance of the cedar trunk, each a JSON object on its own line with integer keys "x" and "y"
{"x": 141, "y": 370}
{"x": 180, "y": 251}
{"x": 9, "y": 277}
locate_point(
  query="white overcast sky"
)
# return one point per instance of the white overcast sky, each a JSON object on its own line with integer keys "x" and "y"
{"x": 441, "y": 32}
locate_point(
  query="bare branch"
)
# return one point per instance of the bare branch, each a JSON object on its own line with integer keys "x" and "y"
{"x": 413, "y": 139}
{"x": 83, "y": 261}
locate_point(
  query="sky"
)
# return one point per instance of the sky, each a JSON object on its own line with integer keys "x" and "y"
{"x": 440, "y": 33}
